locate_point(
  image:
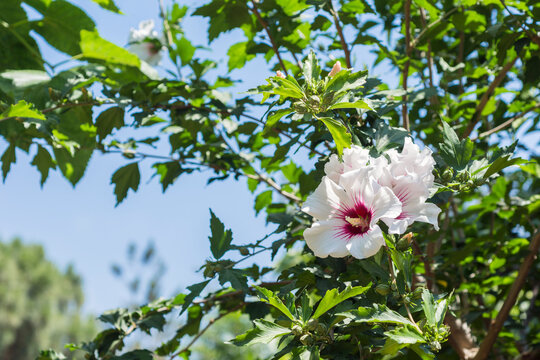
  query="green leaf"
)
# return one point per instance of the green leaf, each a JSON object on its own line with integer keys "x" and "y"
{"x": 125, "y": 178}
{"x": 311, "y": 69}
{"x": 236, "y": 277}
{"x": 378, "y": 314}
{"x": 360, "y": 104}
{"x": 62, "y": 24}
{"x": 333, "y": 298}
{"x": 274, "y": 300}
{"x": 339, "y": 133}
{"x": 50, "y": 355}
{"x": 264, "y": 332}
{"x": 387, "y": 137}
{"x": 112, "y": 118}
{"x": 238, "y": 55}
{"x": 454, "y": 152}
{"x": 220, "y": 240}
{"x": 108, "y": 5}
{"x": 44, "y": 162}
{"x": 275, "y": 116}
{"x": 185, "y": 50}
{"x": 74, "y": 165}
{"x": 94, "y": 47}
{"x": 7, "y": 159}
{"x": 501, "y": 163}
{"x": 405, "y": 335}
{"x": 168, "y": 172}
{"x": 22, "y": 109}
{"x": 429, "y": 306}
{"x": 194, "y": 291}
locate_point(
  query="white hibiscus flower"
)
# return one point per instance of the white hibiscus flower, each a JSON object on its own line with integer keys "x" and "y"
{"x": 145, "y": 42}
{"x": 354, "y": 158}
{"x": 347, "y": 214}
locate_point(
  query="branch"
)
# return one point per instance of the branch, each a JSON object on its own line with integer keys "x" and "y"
{"x": 255, "y": 11}
{"x": 341, "y": 36}
{"x": 508, "y": 122}
{"x": 509, "y": 302}
{"x": 273, "y": 184}
{"x": 407, "y": 19}
{"x": 483, "y": 101}
{"x": 434, "y": 100}
{"x": 430, "y": 26}
{"x": 210, "y": 323}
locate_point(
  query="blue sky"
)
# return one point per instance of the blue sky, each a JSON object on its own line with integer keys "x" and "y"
{"x": 82, "y": 226}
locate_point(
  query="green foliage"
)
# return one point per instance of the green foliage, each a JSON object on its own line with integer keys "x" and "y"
{"x": 468, "y": 85}
{"x": 39, "y": 305}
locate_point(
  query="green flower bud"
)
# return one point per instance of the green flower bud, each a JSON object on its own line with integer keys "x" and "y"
{"x": 312, "y": 324}
{"x": 244, "y": 251}
{"x": 448, "y": 174}
{"x": 297, "y": 330}
{"x": 405, "y": 242}
{"x": 321, "y": 330}
{"x": 383, "y": 289}
{"x": 306, "y": 339}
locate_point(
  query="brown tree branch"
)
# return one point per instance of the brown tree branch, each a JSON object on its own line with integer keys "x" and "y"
{"x": 263, "y": 23}
{"x": 434, "y": 99}
{"x": 341, "y": 35}
{"x": 484, "y": 99}
{"x": 509, "y": 302}
{"x": 407, "y": 20}
{"x": 508, "y": 122}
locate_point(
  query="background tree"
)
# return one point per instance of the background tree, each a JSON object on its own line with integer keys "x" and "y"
{"x": 40, "y": 306}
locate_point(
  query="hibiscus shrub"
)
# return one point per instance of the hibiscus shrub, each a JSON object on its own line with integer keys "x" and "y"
{"x": 416, "y": 238}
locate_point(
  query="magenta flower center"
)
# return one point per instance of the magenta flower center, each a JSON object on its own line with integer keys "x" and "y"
{"x": 356, "y": 220}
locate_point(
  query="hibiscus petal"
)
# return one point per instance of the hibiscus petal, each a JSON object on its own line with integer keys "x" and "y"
{"x": 396, "y": 226}
{"x": 325, "y": 200}
{"x": 366, "y": 245}
{"x": 322, "y": 239}
{"x": 385, "y": 204}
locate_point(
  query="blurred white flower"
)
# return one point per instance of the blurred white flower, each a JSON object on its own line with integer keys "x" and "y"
{"x": 346, "y": 215}
{"x": 145, "y": 42}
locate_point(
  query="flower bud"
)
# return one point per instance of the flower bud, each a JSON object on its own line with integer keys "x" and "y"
{"x": 448, "y": 174}
{"x": 244, "y": 251}
{"x": 312, "y": 324}
{"x": 280, "y": 74}
{"x": 383, "y": 289}
{"x": 321, "y": 330}
{"x": 405, "y": 242}
{"x": 306, "y": 339}
{"x": 297, "y": 330}
{"x": 335, "y": 69}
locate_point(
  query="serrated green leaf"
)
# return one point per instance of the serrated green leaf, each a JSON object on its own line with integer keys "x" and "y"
{"x": 274, "y": 300}
{"x": 360, "y": 104}
{"x": 185, "y": 50}
{"x": 74, "y": 165}
{"x": 234, "y": 276}
{"x": 339, "y": 133}
{"x": 275, "y": 116}
{"x": 429, "y": 306}
{"x": 22, "y": 109}
{"x": 379, "y": 314}
{"x": 44, "y": 162}
{"x": 125, "y": 178}
{"x": 454, "y": 152}
{"x": 264, "y": 333}
{"x": 112, "y": 118}
{"x": 135, "y": 355}
{"x": 108, "y": 5}
{"x": 94, "y": 47}
{"x": 220, "y": 239}
{"x": 7, "y": 159}
{"x": 168, "y": 172}
{"x": 334, "y": 297}
{"x": 405, "y": 335}
{"x": 501, "y": 163}
{"x": 311, "y": 69}
{"x": 194, "y": 291}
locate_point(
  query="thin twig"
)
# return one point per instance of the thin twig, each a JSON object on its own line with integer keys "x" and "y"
{"x": 485, "y": 98}
{"x": 263, "y": 23}
{"x": 434, "y": 99}
{"x": 407, "y": 19}
{"x": 273, "y": 184}
{"x": 341, "y": 35}
{"x": 509, "y": 302}
{"x": 210, "y": 323}
{"x": 417, "y": 39}
{"x": 508, "y": 122}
